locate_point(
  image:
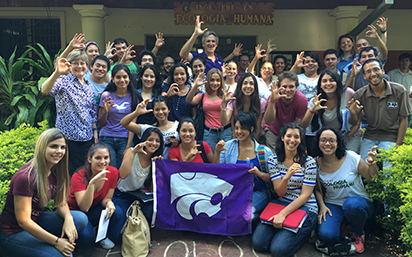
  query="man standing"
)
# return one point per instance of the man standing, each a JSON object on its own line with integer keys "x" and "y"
{"x": 403, "y": 76}
{"x": 242, "y": 65}
{"x": 330, "y": 59}
{"x": 285, "y": 104}
{"x": 386, "y": 107}
{"x": 120, "y": 48}
{"x": 210, "y": 41}
{"x": 99, "y": 67}
{"x": 168, "y": 62}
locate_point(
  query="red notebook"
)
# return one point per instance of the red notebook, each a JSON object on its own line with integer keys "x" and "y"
{"x": 292, "y": 220}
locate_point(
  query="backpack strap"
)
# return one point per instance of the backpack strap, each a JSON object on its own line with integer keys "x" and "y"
{"x": 261, "y": 157}
{"x": 202, "y": 149}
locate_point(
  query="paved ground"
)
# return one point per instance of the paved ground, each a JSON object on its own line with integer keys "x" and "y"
{"x": 188, "y": 244}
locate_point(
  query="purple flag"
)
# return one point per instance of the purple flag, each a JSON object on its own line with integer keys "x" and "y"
{"x": 203, "y": 197}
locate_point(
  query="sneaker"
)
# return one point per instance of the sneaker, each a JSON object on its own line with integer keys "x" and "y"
{"x": 358, "y": 241}
{"x": 343, "y": 248}
{"x": 106, "y": 243}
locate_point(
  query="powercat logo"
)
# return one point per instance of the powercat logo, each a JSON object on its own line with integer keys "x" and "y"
{"x": 198, "y": 192}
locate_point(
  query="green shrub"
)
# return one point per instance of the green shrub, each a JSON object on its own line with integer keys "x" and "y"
{"x": 16, "y": 149}
{"x": 393, "y": 186}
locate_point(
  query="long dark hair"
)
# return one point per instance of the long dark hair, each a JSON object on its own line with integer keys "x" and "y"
{"x": 161, "y": 99}
{"x": 146, "y": 135}
{"x": 248, "y": 121}
{"x": 301, "y": 155}
{"x": 157, "y": 87}
{"x": 172, "y": 71}
{"x": 90, "y": 154}
{"x": 111, "y": 87}
{"x": 186, "y": 120}
{"x": 340, "y": 148}
{"x": 340, "y": 90}
{"x": 254, "y": 97}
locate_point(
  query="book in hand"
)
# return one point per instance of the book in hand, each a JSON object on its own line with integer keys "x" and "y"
{"x": 292, "y": 222}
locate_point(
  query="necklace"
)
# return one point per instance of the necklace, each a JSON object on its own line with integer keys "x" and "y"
{"x": 178, "y": 101}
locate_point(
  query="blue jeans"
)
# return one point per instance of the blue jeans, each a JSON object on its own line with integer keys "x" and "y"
{"x": 88, "y": 235}
{"x": 23, "y": 244}
{"x": 259, "y": 203}
{"x": 367, "y": 145}
{"x": 281, "y": 242}
{"x": 213, "y": 138}
{"x": 356, "y": 210}
{"x": 117, "y": 145}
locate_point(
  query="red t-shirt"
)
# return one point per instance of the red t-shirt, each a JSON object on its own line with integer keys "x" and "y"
{"x": 174, "y": 153}
{"x": 19, "y": 186}
{"x": 79, "y": 183}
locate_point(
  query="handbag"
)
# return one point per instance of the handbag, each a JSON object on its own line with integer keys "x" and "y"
{"x": 200, "y": 120}
{"x": 135, "y": 233}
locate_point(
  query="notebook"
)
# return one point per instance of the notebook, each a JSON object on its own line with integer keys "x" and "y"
{"x": 292, "y": 220}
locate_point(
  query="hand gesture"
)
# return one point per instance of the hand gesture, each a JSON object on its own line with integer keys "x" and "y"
{"x": 225, "y": 70}
{"x": 260, "y": 53}
{"x": 300, "y": 60}
{"x": 276, "y": 92}
{"x": 141, "y": 107}
{"x": 159, "y": 157}
{"x": 139, "y": 148}
{"x": 199, "y": 81}
{"x": 110, "y": 50}
{"x": 62, "y": 66}
{"x": 354, "y": 106}
{"x": 220, "y": 146}
{"x": 238, "y": 48}
{"x": 356, "y": 67}
{"x": 317, "y": 103}
{"x": 295, "y": 168}
{"x": 371, "y": 159}
{"x": 381, "y": 23}
{"x": 372, "y": 32}
{"x": 101, "y": 176}
{"x": 322, "y": 213}
{"x": 107, "y": 104}
{"x": 128, "y": 55}
{"x": 69, "y": 229}
{"x": 198, "y": 30}
{"x": 77, "y": 41}
{"x": 271, "y": 46}
{"x": 192, "y": 154}
{"x": 174, "y": 141}
{"x": 277, "y": 220}
{"x": 173, "y": 90}
{"x": 254, "y": 170}
{"x": 226, "y": 98}
{"x": 64, "y": 246}
{"x": 160, "y": 41}
{"x": 110, "y": 209}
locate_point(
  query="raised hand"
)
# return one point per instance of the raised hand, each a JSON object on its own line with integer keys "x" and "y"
{"x": 101, "y": 176}
{"x": 276, "y": 92}
{"x": 108, "y": 104}
{"x": 128, "y": 55}
{"x": 173, "y": 90}
{"x": 220, "y": 146}
{"x": 356, "y": 67}
{"x": 185, "y": 62}
{"x": 141, "y": 108}
{"x": 199, "y": 81}
{"x": 271, "y": 46}
{"x": 225, "y": 70}
{"x": 77, "y": 41}
{"x": 139, "y": 148}
{"x": 300, "y": 60}
{"x": 160, "y": 41}
{"x": 354, "y": 106}
{"x": 371, "y": 159}
{"x": 295, "y": 168}
{"x": 238, "y": 48}
{"x": 226, "y": 98}
{"x": 381, "y": 23}
{"x": 372, "y": 32}
{"x": 260, "y": 53}
{"x": 62, "y": 66}
{"x": 198, "y": 30}
{"x": 192, "y": 154}
{"x": 317, "y": 103}
{"x": 110, "y": 50}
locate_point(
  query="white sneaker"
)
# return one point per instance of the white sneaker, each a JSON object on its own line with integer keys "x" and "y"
{"x": 106, "y": 243}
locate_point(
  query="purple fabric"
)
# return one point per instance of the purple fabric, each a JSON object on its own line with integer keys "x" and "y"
{"x": 218, "y": 63}
{"x": 203, "y": 197}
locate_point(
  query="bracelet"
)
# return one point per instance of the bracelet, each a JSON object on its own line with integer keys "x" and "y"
{"x": 94, "y": 129}
{"x": 310, "y": 110}
{"x": 222, "y": 108}
{"x": 383, "y": 31}
{"x": 55, "y": 243}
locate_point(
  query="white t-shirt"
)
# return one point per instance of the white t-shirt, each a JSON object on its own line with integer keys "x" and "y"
{"x": 307, "y": 86}
{"x": 345, "y": 182}
{"x": 136, "y": 178}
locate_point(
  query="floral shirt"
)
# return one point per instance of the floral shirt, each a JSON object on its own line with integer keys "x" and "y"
{"x": 75, "y": 106}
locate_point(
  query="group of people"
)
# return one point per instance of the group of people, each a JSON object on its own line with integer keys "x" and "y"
{"x": 302, "y": 134}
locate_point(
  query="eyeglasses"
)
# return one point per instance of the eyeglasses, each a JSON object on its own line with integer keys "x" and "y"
{"x": 266, "y": 69}
{"x": 147, "y": 60}
{"x": 75, "y": 64}
{"x": 331, "y": 141}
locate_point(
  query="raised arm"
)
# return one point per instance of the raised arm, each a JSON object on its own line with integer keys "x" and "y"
{"x": 382, "y": 24}
{"x": 225, "y": 114}
{"x": 185, "y": 51}
{"x": 160, "y": 41}
{"x": 128, "y": 55}
{"x": 259, "y": 54}
{"x": 368, "y": 169}
{"x": 275, "y": 95}
{"x": 84, "y": 198}
{"x": 310, "y": 112}
{"x": 373, "y": 33}
{"x": 355, "y": 71}
{"x": 355, "y": 108}
{"x": 191, "y": 98}
{"x": 75, "y": 43}
{"x": 220, "y": 146}
{"x": 104, "y": 111}
{"x": 129, "y": 121}
{"x": 236, "y": 52}
{"x": 128, "y": 159}
{"x": 271, "y": 47}
{"x": 299, "y": 62}
{"x": 61, "y": 67}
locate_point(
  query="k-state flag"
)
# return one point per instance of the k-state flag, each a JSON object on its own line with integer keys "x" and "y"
{"x": 203, "y": 197}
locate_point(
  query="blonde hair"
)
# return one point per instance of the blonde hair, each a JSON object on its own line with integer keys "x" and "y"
{"x": 222, "y": 82}
{"x": 38, "y": 165}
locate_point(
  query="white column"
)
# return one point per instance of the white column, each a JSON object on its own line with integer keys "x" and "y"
{"x": 347, "y": 18}
{"x": 93, "y": 23}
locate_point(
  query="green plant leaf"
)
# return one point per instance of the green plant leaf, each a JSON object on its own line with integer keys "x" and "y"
{"x": 10, "y": 119}
{"x": 40, "y": 82}
{"x": 15, "y": 100}
{"x": 31, "y": 98}
{"x": 23, "y": 114}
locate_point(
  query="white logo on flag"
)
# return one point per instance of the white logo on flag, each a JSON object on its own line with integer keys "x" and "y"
{"x": 204, "y": 191}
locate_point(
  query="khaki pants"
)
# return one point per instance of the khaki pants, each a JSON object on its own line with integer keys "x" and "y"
{"x": 271, "y": 139}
